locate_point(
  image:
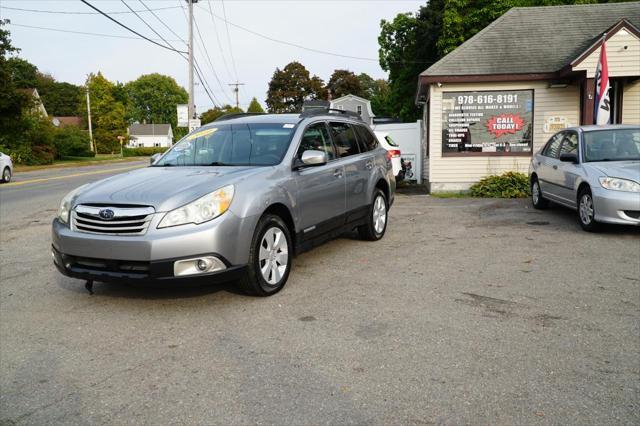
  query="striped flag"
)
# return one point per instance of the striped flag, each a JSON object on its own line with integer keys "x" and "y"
{"x": 602, "y": 105}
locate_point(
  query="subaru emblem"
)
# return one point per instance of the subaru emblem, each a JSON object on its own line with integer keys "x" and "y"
{"x": 106, "y": 214}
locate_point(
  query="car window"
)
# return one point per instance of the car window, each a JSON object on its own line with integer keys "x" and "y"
{"x": 367, "y": 140}
{"x": 553, "y": 146}
{"x": 316, "y": 137}
{"x": 344, "y": 138}
{"x": 569, "y": 143}
{"x": 612, "y": 145}
{"x": 391, "y": 142}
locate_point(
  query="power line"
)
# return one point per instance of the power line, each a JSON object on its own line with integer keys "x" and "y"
{"x": 67, "y": 12}
{"x": 233, "y": 61}
{"x": 215, "y": 29}
{"x": 162, "y": 22}
{"x": 204, "y": 47}
{"x": 129, "y": 29}
{"x": 77, "y": 32}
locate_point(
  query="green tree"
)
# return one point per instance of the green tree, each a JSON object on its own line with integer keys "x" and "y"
{"x": 216, "y": 112}
{"x": 408, "y": 47}
{"x": 344, "y": 82}
{"x": 59, "y": 98}
{"x": 255, "y": 106}
{"x": 23, "y": 73}
{"x": 107, "y": 114}
{"x": 290, "y": 87}
{"x": 153, "y": 98}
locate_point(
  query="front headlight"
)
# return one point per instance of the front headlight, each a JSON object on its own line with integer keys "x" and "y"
{"x": 65, "y": 204}
{"x": 617, "y": 184}
{"x": 201, "y": 210}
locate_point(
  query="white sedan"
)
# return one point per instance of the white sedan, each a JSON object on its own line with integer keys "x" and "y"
{"x": 393, "y": 152}
{"x": 6, "y": 168}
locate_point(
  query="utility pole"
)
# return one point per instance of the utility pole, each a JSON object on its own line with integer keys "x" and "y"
{"x": 92, "y": 147}
{"x": 237, "y": 90}
{"x": 192, "y": 107}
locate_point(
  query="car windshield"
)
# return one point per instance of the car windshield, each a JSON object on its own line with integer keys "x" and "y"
{"x": 243, "y": 144}
{"x": 612, "y": 145}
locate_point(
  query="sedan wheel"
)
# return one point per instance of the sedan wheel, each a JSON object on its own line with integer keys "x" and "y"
{"x": 6, "y": 175}
{"x": 587, "y": 211}
{"x": 538, "y": 201}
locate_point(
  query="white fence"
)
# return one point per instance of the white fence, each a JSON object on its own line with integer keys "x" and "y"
{"x": 408, "y": 136}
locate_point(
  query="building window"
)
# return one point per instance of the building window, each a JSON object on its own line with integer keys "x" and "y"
{"x": 359, "y": 109}
{"x": 156, "y": 144}
{"x": 140, "y": 145}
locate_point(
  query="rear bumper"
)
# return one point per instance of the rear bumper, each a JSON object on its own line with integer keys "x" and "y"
{"x": 616, "y": 207}
{"x": 158, "y": 271}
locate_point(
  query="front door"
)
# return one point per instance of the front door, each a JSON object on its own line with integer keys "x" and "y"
{"x": 567, "y": 173}
{"x": 547, "y": 167}
{"x": 321, "y": 189}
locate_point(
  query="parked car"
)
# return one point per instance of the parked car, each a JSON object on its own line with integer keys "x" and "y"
{"x": 592, "y": 169}
{"x": 6, "y": 168}
{"x": 393, "y": 152}
{"x": 235, "y": 199}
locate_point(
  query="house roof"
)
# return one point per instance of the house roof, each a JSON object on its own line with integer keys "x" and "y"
{"x": 535, "y": 40}
{"x": 149, "y": 129}
{"x": 67, "y": 121}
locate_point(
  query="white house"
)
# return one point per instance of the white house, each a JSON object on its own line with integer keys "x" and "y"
{"x": 150, "y": 135}
{"x": 356, "y": 104}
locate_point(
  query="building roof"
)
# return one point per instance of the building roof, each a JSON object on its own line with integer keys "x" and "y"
{"x": 534, "y": 40}
{"x": 67, "y": 121}
{"x": 149, "y": 129}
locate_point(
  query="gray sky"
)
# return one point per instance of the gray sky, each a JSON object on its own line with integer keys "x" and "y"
{"x": 346, "y": 27}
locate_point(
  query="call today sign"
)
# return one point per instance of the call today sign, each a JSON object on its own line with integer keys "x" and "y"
{"x": 487, "y": 122}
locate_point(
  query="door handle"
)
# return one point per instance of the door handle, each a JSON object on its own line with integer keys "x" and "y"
{"x": 369, "y": 165}
{"x": 338, "y": 174}
{"x": 555, "y": 167}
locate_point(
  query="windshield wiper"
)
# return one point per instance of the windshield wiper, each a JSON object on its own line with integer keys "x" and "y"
{"x": 218, "y": 163}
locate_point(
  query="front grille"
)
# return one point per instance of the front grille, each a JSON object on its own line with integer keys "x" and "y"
{"x": 633, "y": 213}
{"x": 131, "y": 269}
{"x": 112, "y": 220}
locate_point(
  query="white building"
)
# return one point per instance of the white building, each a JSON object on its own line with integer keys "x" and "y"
{"x": 150, "y": 135}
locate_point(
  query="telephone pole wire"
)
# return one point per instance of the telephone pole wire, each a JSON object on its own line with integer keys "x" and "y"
{"x": 237, "y": 90}
{"x": 192, "y": 107}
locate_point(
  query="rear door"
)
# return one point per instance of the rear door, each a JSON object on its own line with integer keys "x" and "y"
{"x": 321, "y": 189}
{"x": 355, "y": 166}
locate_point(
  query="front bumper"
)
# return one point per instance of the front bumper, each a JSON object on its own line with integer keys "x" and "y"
{"x": 616, "y": 207}
{"x": 110, "y": 270}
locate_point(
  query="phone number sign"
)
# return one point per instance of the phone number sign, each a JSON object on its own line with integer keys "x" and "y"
{"x": 489, "y": 122}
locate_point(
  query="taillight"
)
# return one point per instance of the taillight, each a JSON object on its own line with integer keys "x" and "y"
{"x": 393, "y": 153}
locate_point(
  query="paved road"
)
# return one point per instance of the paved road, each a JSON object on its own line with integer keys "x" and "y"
{"x": 467, "y": 312}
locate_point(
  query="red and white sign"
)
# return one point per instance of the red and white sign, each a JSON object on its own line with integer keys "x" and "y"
{"x": 504, "y": 124}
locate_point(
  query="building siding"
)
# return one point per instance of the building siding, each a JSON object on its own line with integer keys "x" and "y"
{"x": 622, "y": 62}
{"x": 352, "y": 105}
{"x": 459, "y": 173}
{"x": 631, "y": 103}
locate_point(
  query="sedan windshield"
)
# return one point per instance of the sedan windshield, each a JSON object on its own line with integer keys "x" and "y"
{"x": 231, "y": 145}
{"x": 612, "y": 145}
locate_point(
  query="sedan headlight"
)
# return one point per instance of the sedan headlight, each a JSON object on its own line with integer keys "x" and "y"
{"x": 201, "y": 210}
{"x": 65, "y": 204}
{"x": 617, "y": 184}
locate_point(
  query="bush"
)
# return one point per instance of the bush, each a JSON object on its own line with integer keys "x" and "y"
{"x": 71, "y": 141}
{"x": 507, "y": 185}
{"x": 144, "y": 151}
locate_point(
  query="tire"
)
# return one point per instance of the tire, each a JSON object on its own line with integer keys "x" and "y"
{"x": 377, "y": 218}
{"x": 537, "y": 200}
{"x": 587, "y": 211}
{"x": 6, "y": 175}
{"x": 268, "y": 268}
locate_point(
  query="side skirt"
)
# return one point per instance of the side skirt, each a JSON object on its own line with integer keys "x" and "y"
{"x": 330, "y": 229}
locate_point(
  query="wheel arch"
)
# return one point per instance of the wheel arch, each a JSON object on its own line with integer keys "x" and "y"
{"x": 283, "y": 212}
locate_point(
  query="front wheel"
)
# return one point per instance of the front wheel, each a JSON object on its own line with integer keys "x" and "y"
{"x": 587, "y": 211}
{"x": 6, "y": 175}
{"x": 269, "y": 258}
{"x": 376, "y": 224}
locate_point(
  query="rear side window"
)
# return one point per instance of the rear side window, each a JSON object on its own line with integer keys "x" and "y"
{"x": 344, "y": 138}
{"x": 367, "y": 141}
{"x": 553, "y": 146}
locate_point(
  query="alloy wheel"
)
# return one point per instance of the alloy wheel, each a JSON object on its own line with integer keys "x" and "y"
{"x": 586, "y": 209}
{"x": 379, "y": 214}
{"x": 273, "y": 257}
{"x": 535, "y": 192}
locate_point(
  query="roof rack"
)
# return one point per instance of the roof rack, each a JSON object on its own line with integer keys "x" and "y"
{"x": 329, "y": 111}
{"x": 232, "y": 115}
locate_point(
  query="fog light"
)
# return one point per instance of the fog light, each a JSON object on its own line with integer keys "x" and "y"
{"x": 198, "y": 265}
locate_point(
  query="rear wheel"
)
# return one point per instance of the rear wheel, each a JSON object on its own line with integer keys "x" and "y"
{"x": 376, "y": 224}
{"x": 538, "y": 201}
{"x": 269, "y": 258}
{"x": 6, "y": 175}
{"x": 587, "y": 211}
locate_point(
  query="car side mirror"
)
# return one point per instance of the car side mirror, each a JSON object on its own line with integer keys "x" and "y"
{"x": 154, "y": 157}
{"x": 312, "y": 157}
{"x": 569, "y": 157}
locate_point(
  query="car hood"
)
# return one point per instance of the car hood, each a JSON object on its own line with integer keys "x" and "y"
{"x": 619, "y": 169}
{"x": 164, "y": 188}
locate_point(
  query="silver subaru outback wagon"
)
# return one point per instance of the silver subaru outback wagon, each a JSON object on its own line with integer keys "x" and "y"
{"x": 233, "y": 200}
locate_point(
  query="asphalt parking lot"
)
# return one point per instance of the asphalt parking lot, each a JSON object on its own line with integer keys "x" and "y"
{"x": 467, "y": 312}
